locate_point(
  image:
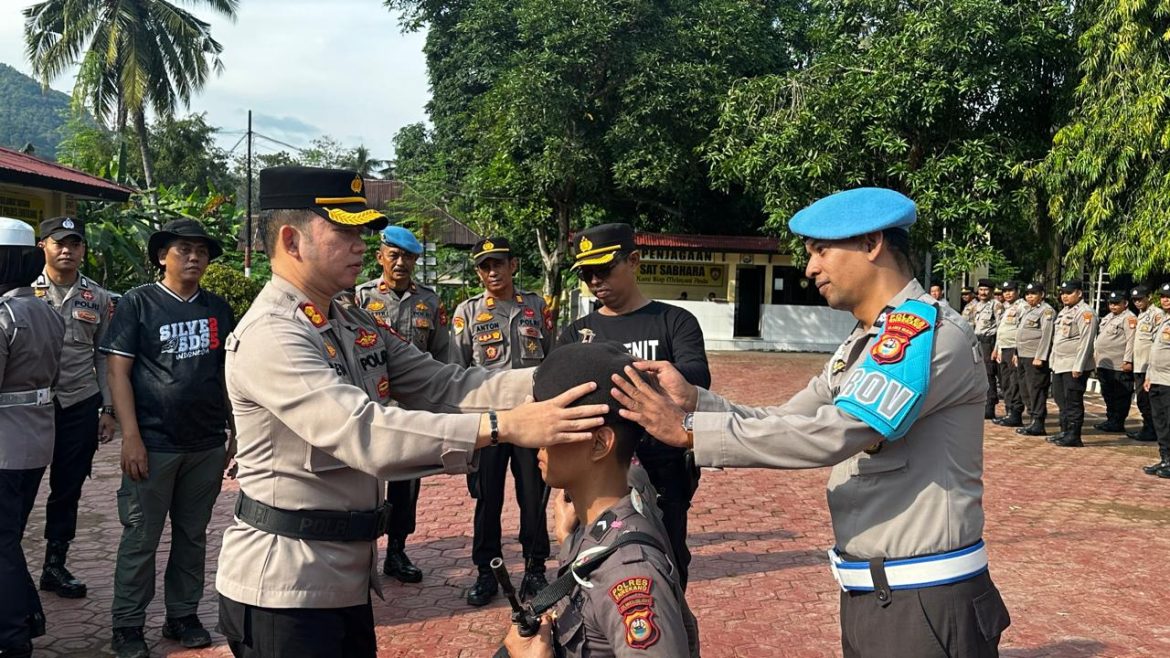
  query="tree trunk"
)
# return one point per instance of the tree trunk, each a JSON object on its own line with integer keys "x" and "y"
{"x": 147, "y": 160}
{"x": 120, "y": 127}
{"x": 553, "y": 247}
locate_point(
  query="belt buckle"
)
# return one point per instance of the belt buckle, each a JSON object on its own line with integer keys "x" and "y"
{"x": 833, "y": 560}
{"x": 44, "y": 396}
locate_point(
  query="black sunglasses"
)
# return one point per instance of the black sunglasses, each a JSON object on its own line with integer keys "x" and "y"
{"x": 588, "y": 272}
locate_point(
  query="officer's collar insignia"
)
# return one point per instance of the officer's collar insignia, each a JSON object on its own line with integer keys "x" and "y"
{"x": 458, "y": 323}
{"x": 838, "y": 366}
{"x": 421, "y": 306}
{"x": 365, "y": 338}
{"x": 315, "y": 316}
{"x": 40, "y": 292}
{"x": 331, "y": 350}
{"x": 901, "y": 327}
{"x": 84, "y": 282}
{"x": 383, "y": 286}
{"x": 488, "y": 246}
{"x": 585, "y": 244}
{"x": 490, "y": 301}
{"x": 602, "y": 525}
{"x": 519, "y": 298}
{"x": 587, "y": 335}
{"x": 881, "y": 318}
{"x": 41, "y": 281}
{"x": 483, "y": 317}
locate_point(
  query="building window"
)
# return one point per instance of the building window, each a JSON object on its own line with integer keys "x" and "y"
{"x": 791, "y": 287}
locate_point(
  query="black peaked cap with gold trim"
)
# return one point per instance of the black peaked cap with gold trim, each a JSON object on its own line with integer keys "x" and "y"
{"x": 600, "y": 244}
{"x": 491, "y": 247}
{"x": 338, "y": 195}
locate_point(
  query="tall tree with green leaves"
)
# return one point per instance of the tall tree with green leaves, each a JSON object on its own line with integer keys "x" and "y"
{"x": 1108, "y": 174}
{"x": 135, "y": 56}
{"x": 944, "y": 100}
{"x": 361, "y": 160}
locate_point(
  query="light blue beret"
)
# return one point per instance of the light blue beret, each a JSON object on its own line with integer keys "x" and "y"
{"x": 402, "y": 238}
{"x": 854, "y": 212}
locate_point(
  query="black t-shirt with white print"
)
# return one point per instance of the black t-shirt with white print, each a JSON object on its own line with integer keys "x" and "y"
{"x": 178, "y": 352}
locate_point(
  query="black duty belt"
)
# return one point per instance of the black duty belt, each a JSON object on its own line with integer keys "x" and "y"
{"x": 318, "y": 525}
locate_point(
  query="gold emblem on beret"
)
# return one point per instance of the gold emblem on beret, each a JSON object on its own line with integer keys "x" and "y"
{"x": 356, "y": 185}
{"x": 585, "y": 245}
{"x": 488, "y": 246}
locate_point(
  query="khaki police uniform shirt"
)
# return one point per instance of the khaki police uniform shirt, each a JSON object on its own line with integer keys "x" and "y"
{"x": 307, "y": 388}
{"x": 985, "y": 318}
{"x": 1072, "y": 340}
{"x": 1034, "y": 337}
{"x": 417, "y": 314}
{"x": 31, "y": 340}
{"x": 1158, "y": 370}
{"x": 500, "y": 335}
{"x": 886, "y": 499}
{"x": 636, "y": 606}
{"x": 1113, "y": 338}
{"x": 86, "y": 309}
{"x": 1009, "y": 324}
{"x": 1138, "y": 349}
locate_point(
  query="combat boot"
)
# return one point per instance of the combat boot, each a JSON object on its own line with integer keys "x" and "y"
{"x": 398, "y": 565}
{"x": 484, "y": 590}
{"x": 989, "y": 410}
{"x": 534, "y": 579}
{"x": 1071, "y": 438}
{"x": 1153, "y": 469}
{"x": 55, "y": 577}
{"x": 1012, "y": 419}
{"x": 128, "y": 642}
{"x": 1035, "y": 429}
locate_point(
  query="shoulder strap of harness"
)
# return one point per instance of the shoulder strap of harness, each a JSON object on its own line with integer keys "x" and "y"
{"x": 583, "y": 566}
{"x": 887, "y": 391}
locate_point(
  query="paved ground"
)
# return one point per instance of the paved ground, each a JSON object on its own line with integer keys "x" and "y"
{"x": 1079, "y": 545}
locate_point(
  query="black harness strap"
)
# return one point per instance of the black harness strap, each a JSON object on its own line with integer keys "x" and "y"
{"x": 565, "y": 582}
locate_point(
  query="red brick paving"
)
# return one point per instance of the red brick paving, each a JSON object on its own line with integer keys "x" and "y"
{"x": 1078, "y": 541}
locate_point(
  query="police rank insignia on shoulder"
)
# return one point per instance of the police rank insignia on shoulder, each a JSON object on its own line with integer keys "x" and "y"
{"x": 483, "y": 317}
{"x": 635, "y": 603}
{"x": 459, "y": 323}
{"x": 315, "y": 317}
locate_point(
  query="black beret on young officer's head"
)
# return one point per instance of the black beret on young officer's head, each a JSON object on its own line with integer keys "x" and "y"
{"x": 338, "y": 195}
{"x": 578, "y": 363}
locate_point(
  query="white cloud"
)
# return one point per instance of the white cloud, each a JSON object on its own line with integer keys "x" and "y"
{"x": 343, "y": 68}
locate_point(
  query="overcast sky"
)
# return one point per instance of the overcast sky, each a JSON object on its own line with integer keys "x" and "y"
{"x": 304, "y": 67}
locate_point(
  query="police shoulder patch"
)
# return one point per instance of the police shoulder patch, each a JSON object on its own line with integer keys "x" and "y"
{"x": 635, "y": 604}
{"x": 1132, "y": 322}
{"x": 459, "y": 323}
{"x": 1087, "y": 316}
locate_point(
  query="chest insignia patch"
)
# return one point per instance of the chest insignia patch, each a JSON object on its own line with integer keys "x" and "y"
{"x": 87, "y": 295}
{"x": 901, "y": 327}
{"x": 492, "y": 352}
{"x": 366, "y": 338}
{"x": 85, "y": 316}
{"x": 529, "y": 313}
{"x": 330, "y": 350}
{"x": 384, "y": 387}
{"x": 422, "y": 306}
{"x": 459, "y": 325}
{"x": 483, "y": 317}
{"x": 375, "y": 306}
{"x": 316, "y": 318}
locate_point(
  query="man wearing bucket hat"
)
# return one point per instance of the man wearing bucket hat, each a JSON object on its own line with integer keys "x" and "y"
{"x": 310, "y": 375}
{"x": 896, "y": 410}
{"x": 165, "y": 353}
{"x": 416, "y": 312}
{"x": 31, "y": 339}
{"x": 82, "y": 391}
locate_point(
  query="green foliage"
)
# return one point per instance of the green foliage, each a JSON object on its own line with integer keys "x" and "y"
{"x": 944, "y": 100}
{"x": 185, "y": 155}
{"x": 30, "y": 114}
{"x": 232, "y": 285}
{"x": 1108, "y": 174}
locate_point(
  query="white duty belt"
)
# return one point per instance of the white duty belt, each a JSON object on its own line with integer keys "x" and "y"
{"x": 35, "y": 398}
{"x": 912, "y": 573}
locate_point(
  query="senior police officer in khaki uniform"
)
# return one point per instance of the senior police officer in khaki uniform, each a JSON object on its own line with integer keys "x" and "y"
{"x": 1033, "y": 345}
{"x": 1072, "y": 360}
{"x": 1150, "y": 316}
{"x": 1157, "y": 385}
{"x": 984, "y": 318}
{"x": 307, "y": 375}
{"x": 416, "y": 312}
{"x": 1115, "y": 373}
{"x": 895, "y": 412}
{"x": 31, "y": 340}
{"x": 1005, "y": 356}
{"x": 84, "y": 411}
{"x": 500, "y": 329}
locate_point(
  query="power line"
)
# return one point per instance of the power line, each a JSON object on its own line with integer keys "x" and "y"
{"x": 277, "y": 141}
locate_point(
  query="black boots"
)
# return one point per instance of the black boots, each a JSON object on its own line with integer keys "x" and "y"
{"x": 128, "y": 642}
{"x": 1110, "y": 426}
{"x": 1070, "y": 439}
{"x": 1012, "y": 419}
{"x": 55, "y": 577}
{"x": 187, "y": 631}
{"x": 398, "y": 565}
{"x": 534, "y": 579}
{"x": 484, "y": 590}
{"x": 1035, "y": 429}
{"x": 989, "y": 410}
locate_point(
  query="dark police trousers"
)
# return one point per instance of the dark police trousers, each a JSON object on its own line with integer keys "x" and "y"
{"x": 1160, "y": 408}
{"x": 1070, "y": 397}
{"x": 1009, "y": 377}
{"x": 986, "y": 348}
{"x": 255, "y": 632}
{"x": 403, "y": 500}
{"x": 487, "y": 485}
{"x": 18, "y": 492}
{"x": 962, "y": 620}
{"x": 675, "y": 482}
{"x": 1143, "y": 403}
{"x": 74, "y": 445}
{"x": 1117, "y": 389}
{"x": 1036, "y": 380}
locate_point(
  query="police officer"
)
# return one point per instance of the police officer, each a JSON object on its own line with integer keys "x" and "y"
{"x": 1114, "y": 372}
{"x": 966, "y": 296}
{"x": 1157, "y": 385}
{"x": 1033, "y": 345}
{"x": 1150, "y": 316}
{"x": 984, "y": 317}
{"x": 1005, "y": 355}
{"x": 500, "y": 329}
{"x": 895, "y": 411}
{"x": 31, "y": 340}
{"x": 416, "y": 312}
{"x": 936, "y": 291}
{"x": 83, "y": 409}
{"x": 308, "y": 375}
{"x": 1072, "y": 359}
{"x": 633, "y": 603}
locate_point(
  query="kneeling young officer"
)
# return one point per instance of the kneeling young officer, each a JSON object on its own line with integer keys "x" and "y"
{"x": 632, "y": 604}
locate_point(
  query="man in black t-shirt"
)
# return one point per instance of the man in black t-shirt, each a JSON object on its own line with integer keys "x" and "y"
{"x": 606, "y": 259}
{"x": 165, "y": 350}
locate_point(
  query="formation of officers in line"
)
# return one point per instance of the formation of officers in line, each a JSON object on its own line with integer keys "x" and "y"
{"x": 1028, "y": 347}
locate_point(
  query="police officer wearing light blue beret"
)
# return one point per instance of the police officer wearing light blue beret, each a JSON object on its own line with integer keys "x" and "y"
{"x": 897, "y": 413}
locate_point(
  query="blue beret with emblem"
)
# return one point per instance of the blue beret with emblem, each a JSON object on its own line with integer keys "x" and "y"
{"x": 854, "y": 212}
{"x": 397, "y": 236}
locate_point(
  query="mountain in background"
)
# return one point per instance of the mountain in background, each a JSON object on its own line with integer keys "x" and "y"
{"x": 29, "y": 114}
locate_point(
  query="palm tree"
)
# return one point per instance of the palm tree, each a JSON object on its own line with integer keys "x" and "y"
{"x": 362, "y": 161}
{"x": 134, "y": 54}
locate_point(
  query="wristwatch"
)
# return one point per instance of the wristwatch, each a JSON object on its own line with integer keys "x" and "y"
{"x": 108, "y": 411}
{"x": 688, "y": 425}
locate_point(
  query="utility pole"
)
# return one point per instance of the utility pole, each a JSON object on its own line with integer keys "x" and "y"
{"x": 248, "y": 217}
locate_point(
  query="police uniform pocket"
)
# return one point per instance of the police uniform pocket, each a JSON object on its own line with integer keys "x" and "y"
{"x": 84, "y": 326}
{"x": 991, "y": 614}
{"x": 318, "y": 461}
{"x": 489, "y": 347}
{"x": 879, "y": 464}
{"x": 570, "y": 628}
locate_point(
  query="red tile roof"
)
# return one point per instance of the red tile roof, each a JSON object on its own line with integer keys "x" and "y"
{"x": 741, "y": 243}
{"x": 21, "y": 169}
